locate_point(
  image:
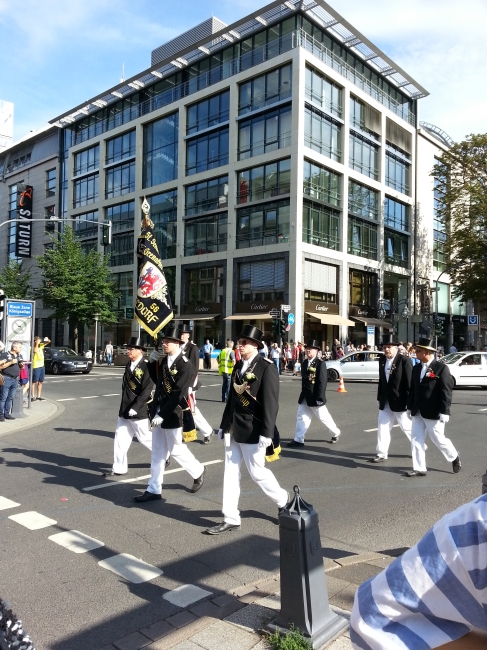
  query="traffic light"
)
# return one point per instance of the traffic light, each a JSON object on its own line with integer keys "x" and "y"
{"x": 438, "y": 326}
{"x": 2, "y": 303}
{"x": 106, "y": 233}
{"x": 282, "y": 327}
{"x": 275, "y": 328}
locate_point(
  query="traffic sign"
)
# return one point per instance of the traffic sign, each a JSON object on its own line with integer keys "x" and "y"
{"x": 290, "y": 319}
{"x": 473, "y": 321}
{"x": 285, "y": 308}
{"x": 275, "y": 313}
{"x": 22, "y": 309}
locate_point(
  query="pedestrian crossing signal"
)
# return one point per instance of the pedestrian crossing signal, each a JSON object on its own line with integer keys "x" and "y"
{"x": 275, "y": 328}
{"x": 282, "y": 327}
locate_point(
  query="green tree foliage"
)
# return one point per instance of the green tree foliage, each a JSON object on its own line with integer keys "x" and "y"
{"x": 461, "y": 185}
{"x": 76, "y": 285}
{"x": 15, "y": 281}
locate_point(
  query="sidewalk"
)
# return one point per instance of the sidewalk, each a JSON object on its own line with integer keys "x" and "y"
{"x": 233, "y": 621}
{"x": 38, "y": 413}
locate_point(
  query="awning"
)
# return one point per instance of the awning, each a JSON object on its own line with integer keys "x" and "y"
{"x": 331, "y": 319}
{"x": 196, "y": 317}
{"x": 373, "y": 322}
{"x": 254, "y": 316}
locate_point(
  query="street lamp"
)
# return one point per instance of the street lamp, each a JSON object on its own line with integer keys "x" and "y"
{"x": 394, "y": 306}
{"x": 96, "y": 317}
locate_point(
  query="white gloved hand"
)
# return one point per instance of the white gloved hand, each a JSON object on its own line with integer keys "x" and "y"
{"x": 264, "y": 442}
{"x": 132, "y": 412}
{"x": 154, "y": 355}
{"x": 220, "y": 434}
{"x": 156, "y": 421}
{"x": 319, "y": 402}
{"x": 444, "y": 418}
{"x": 408, "y": 413}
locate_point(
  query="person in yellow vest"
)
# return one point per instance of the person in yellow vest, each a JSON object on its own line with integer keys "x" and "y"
{"x": 38, "y": 370}
{"x": 226, "y": 361}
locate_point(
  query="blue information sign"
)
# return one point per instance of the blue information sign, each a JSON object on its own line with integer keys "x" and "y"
{"x": 473, "y": 320}
{"x": 290, "y": 319}
{"x": 22, "y": 309}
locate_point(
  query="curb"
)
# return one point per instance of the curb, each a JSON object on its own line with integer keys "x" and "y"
{"x": 30, "y": 419}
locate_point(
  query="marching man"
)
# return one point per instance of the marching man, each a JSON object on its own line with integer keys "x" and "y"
{"x": 395, "y": 372}
{"x": 248, "y": 427}
{"x": 133, "y": 416}
{"x": 429, "y": 405}
{"x": 170, "y": 413}
{"x": 313, "y": 396}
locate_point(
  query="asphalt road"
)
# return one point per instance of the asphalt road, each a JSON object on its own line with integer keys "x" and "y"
{"x": 69, "y": 602}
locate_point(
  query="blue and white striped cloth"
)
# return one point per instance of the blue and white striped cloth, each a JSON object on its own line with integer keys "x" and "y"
{"x": 435, "y": 593}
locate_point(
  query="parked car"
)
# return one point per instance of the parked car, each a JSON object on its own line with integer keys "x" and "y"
{"x": 468, "y": 368}
{"x": 63, "y": 360}
{"x": 357, "y": 365}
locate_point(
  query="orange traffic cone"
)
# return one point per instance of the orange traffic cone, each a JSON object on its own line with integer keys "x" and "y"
{"x": 341, "y": 388}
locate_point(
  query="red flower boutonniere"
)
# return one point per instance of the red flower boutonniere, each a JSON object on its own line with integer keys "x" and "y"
{"x": 431, "y": 375}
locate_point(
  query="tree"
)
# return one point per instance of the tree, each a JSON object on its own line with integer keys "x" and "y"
{"x": 76, "y": 285}
{"x": 15, "y": 281}
{"x": 461, "y": 204}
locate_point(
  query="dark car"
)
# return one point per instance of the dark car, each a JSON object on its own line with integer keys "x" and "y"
{"x": 63, "y": 359}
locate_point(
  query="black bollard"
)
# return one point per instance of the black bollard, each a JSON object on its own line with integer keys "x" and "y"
{"x": 304, "y": 596}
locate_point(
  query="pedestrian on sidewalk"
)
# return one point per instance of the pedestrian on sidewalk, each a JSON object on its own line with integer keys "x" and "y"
{"x": 248, "y": 427}
{"x": 275, "y": 354}
{"x": 207, "y": 350}
{"x": 170, "y": 413}
{"x": 10, "y": 369}
{"x": 395, "y": 370}
{"x": 226, "y": 361}
{"x": 312, "y": 399}
{"x": 133, "y": 415}
{"x": 38, "y": 369}
{"x": 109, "y": 353}
{"x": 429, "y": 406}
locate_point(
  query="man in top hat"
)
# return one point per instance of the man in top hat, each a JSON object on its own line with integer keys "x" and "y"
{"x": 191, "y": 352}
{"x": 169, "y": 409}
{"x": 133, "y": 415}
{"x": 395, "y": 372}
{"x": 312, "y": 398}
{"x": 248, "y": 427}
{"x": 429, "y": 406}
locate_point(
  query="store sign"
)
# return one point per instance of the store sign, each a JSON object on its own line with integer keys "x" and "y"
{"x": 313, "y": 307}
{"x": 445, "y": 318}
{"x": 362, "y": 312}
{"x": 258, "y": 307}
{"x": 23, "y": 235}
{"x": 204, "y": 310}
{"x": 462, "y": 320}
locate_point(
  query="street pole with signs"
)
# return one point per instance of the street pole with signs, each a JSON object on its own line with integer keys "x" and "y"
{"x": 18, "y": 325}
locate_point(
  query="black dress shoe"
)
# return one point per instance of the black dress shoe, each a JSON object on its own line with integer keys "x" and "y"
{"x": 457, "y": 465}
{"x": 377, "y": 459}
{"x": 334, "y": 440}
{"x": 110, "y": 472}
{"x": 168, "y": 462}
{"x": 414, "y": 473}
{"x": 9, "y": 417}
{"x": 222, "y": 528}
{"x": 198, "y": 482}
{"x": 295, "y": 443}
{"x": 207, "y": 439}
{"x": 147, "y": 496}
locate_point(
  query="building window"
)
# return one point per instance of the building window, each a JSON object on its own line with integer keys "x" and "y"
{"x": 120, "y": 180}
{"x": 121, "y": 216}
{"x": 266, "y": 89}
{"x": 321, "y": 184}
{"x": 12, "y": 214}
{"x": 363, "y": 201}
{"x": 49, "y": 213}
{"x": 322, "y": 134}
{"x": 261, "y": 225}
{"x": 206, "y": 235}
{"x": 362, "y": 238}
{"x": 18, "y": 162}
{"x": 207, "y": 195}
{"x": 396, "y": 248}
{"x": 85, "y": 191}
{"x": 207, "y": 152}
{"x": 50, "y": 183}
{"x": 364, "y": 156}
{"x": 120, "y": 148}
{"x": 265, "y": 280}
{"x": 161, "y": 151}
{"x": 264, "y": 133}
{"x": 264, "y": 182}
{"x": 81, "y": 226}
{"x": 164, "y": 215}
{"x": 321, "y": 225}
{"x": 397, "y": 173}
{"x": 87, "y": 160}
{"x": 320, "y": 281}
{"x": 396, "y": 214}
{"x": 121, "y": 250}
{"x": 363, "y": 288}
{"x": 322, "y": 91}
{"x": 124, "y": 282}
{"x": 439, "y": 227}
{"x": 208, "y": 112}
{"x": 88, "y": 245}
{"x": 204, "y": 286}
{"x": 365, "y": 117}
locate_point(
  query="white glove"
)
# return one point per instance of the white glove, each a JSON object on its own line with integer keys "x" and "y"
{"x": 156, "y": 421}
{"x": 264, "y": 442}
{"x": 154, "y": 355}
{"x": 319, "y": 402}
{"x": 220, "y": 434}
{"x": 408, "y": 413}
{"x": 132, "y": 412}
{"x": 444, "y": 418}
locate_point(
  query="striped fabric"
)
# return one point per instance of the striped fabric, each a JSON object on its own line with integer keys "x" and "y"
{"x": 435, "y": 593}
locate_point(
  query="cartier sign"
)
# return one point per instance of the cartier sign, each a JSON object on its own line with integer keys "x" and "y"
{"x": 362, "y": 312}
{"x": 311, "y": 306}
{"x": 257, "y": 306}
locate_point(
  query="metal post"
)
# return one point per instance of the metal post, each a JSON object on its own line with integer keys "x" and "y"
{"x": 97, "y": 316}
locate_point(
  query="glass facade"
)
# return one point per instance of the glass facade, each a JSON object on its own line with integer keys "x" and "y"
{"x": 364, "y": 156}
{"x": 204, "y": 286}
{"x": 87, "y": 160}
{"x": 208, "y": 112}
{"x": 160, "y": 163}
{"x": 50, "y": 183}
{"x": 321, "y": 184}
{"x": 264, "y": 133}
{"x": 398, "y": 174}
{"x": 164, "y": 215}
{"x": 85, "y": 190}
{"x": 120, "y": 148}
{"x": 362, "y": 238}
{"x": 260, "y": 225}
{"x": 81, "y": 226}
{"x": 266, "y": 89}
{"x": 264, "y": 182}
{"x": 439, "y": 226}
{"x": 363, "y": 288}
{"x": 206, "y": 235}
{"x": 120, "y": 180}
{"x": 322, "y": 134}
{"x": 396, "y": 215}
{"x": 363, "y": 201}
{"x": 207, "y": 152}
{"x": 207, "y": 195}
{"x": 321, "y": 225}
{"x": 121, "y": 216}
{"x": 322, "y": 91}
{"x": 396, "y": 248}
{"x": 121, "y": 250}
{"x": 365, "y": 118}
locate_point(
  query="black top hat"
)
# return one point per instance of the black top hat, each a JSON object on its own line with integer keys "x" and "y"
{"x": 135, "y": 342}
{"x": 426, "y": 344}
{"x": 252, "y": 333}
{"x": 172, "y": 332}
{"x": 313, "y": 344}
{"x": 389, "y": 339}
{"x": 185, "y": 329}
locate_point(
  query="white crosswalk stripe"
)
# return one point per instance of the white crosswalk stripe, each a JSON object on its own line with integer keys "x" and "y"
{"x": 33, "y": 520}
{"x": 5, "y": 503}
{"x": 131, "y": 568}
{"x": 76, "y": 542}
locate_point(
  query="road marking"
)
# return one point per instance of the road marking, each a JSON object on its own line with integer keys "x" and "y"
{"x": 210, "y": 385}
{"x": 33, "y": 520}
{"x": 66, "y": 399}
{"x": 56, "y": 381}
{"x": 90, "y": 397}
{"x": 140, "y": 478}
{"x": 131, "y": 568}
{"x": 112, "y": 395}
{"x": 7, "y": 503}
{"x": 370, "y": 430}
{"x": 75, "y": 541}
{"x": 186, "y": 595}
{"x": 482, "y": 410}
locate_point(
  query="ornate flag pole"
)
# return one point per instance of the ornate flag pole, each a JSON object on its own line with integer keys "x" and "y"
{"x": 153, "y": 307}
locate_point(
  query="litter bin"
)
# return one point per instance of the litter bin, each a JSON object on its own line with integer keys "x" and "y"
{"x": 18, "y": 404}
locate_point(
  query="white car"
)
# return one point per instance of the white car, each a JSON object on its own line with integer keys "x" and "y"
{"x": 357, "y": 365}
{"x": 468, "y": 368}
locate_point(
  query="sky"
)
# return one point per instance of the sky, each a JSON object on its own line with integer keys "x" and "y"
{"x": 55, "y": 54}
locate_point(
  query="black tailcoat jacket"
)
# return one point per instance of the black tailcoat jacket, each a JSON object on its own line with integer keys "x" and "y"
{"x": 396, "y": 390}
{"x": 168, "y": 395}
{"x": 191, "y": 352}
{"x": 313, "y": 384}
{"x": 432, "y": 396}
{"x": 136, "y": 391}
{"x": 246, "y": 427}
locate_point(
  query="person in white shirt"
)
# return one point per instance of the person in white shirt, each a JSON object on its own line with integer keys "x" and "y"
{"x": 275, "y": 355}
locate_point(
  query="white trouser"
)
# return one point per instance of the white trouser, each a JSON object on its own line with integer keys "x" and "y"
{"x": 165, "y": 443}
{"x": 303, "y": 420}
{"x": 199, "y": 421}
{"x": 124, "y": 433}
{"x": 254, "y": 459}
{"x": 386, "y": 420}
{"x": 436, "y": 431}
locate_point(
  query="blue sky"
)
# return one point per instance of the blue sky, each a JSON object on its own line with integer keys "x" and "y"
{"x": 57, "y": 53}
